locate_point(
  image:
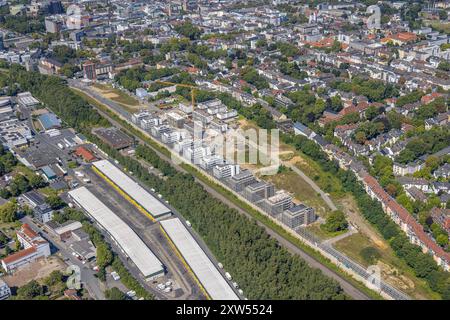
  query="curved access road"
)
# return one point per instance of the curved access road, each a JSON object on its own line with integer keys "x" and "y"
{"x": 349, "y": 288}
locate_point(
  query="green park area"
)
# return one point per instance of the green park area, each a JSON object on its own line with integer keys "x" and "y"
{"x": 116, "y": 95}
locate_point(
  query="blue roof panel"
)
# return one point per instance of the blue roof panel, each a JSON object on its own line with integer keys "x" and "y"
{"x": 49, "y": 121}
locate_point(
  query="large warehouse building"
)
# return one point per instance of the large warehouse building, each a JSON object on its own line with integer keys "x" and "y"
{"x": 124, "y": 237}
{"x": 143, "y": 198}
{"x": 212, "y": 281}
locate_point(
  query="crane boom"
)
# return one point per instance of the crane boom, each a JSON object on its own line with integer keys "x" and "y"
{"x": 182, "y": 85}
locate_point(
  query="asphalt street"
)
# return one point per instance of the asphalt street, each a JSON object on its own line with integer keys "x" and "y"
{"x": 351, "y": 290}
{"x": 88, "y": 278}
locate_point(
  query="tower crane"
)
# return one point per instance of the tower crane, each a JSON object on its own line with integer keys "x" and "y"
{"x": 182, "y": 85}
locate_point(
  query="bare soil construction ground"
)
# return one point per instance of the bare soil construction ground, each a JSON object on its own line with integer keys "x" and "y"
{"x": 39, "y": 269}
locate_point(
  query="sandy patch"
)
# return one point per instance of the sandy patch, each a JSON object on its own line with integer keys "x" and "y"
{"x": 110, "y": 95}
{"x": 298, "y": 160}
{"x": 35, "y": 270}
{"x": 363, "y": 226}
{"x": 397, "y": 280}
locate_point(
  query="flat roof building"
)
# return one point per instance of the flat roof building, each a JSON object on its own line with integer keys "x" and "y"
{"x": 5, "y": 292}
{"x": 25, "y": 99}
{"x": 49, "y": 121}
{"x": 239, "y": 181}
{"x": 114, "y": 138}
{"x": 278, "y": 203}
{"x": 298, "y": 215}
{"x": 225, "y": 170}
{"x": 147, "y": 201}
{"x": 258, "y": 191}
{"x": 175, "y": 119}
{"x": 122, "y": 235}
{"x": 212, "y": 281}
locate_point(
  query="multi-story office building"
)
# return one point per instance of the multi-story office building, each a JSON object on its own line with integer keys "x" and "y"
{"x": 5, "y": 292}
{"x": 137, "y": 117}
{"x": 175, "y": 120}
{"x": 239, "y": 181}
{"x": 195, "y": 153}
{"x": 298, "y": 215}
{"x": 277, "y": 203}
{"x": 226, "y": 115}
{"x": 34, "y": 247}
{"x": 226, "y": 170}
{"x": 157, "y": 131}
{"x": 202, "y": 116}
{"x": 195, "y": 128}
{"x": 208, "y": 162}
{"x": 258, "y": 191}
{"x": 179, "y": 146}
{"x": 147, "y": 124}
{"x": 218, "y": 126}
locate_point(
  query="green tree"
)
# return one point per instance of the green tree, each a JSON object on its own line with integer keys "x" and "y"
{"x": 335, "y": 221}
{"x": 188, "y": 30}
{"x": 104, "y": 255}
{"x": 8, "y": 211}
{"x": 55, "y": 202}
{"x": 36, "y": 181}
{"x": 360, "y": 137}
{"x": 442, "y": 240}
{"x": 372, "y": 112}
{"x": 30, "y": 291}
{"x": 444, "y": 65}
{"x": 370, "y": 254}
{"x": 115, "y": 294}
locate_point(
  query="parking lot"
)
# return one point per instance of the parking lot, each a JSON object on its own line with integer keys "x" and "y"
{"x": 182, "y": 284}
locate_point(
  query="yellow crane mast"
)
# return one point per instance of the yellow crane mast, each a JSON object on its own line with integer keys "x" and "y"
{"x": 182, "y": 85}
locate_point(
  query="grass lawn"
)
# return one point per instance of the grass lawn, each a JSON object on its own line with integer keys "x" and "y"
{"x": 47, "y": 191}
{"x": 116, "y": 95}
{"x": 393, "y": 269}
{"x": 21, "y": 169}
{"x": 419, "y": 288}
{"x": 300, "y": 189}
{"x": 326, "y": 181}
{"x": 9, "y": 228}
{"x": 233, "y": 198}
{"x": 322, "y": 234}
{"x": 440, "y": 26}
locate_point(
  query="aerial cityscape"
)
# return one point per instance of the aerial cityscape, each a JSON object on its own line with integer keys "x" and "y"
{"x": 196, "y": 150}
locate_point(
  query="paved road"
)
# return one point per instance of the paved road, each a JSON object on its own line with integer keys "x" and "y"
{"x": 116, "y": 107}
{"x": 347, "y": 286}
{"x": 311, "y": 261}
{"x": 351, "y": 231}
{"x": 147, "y": 230}
{"x": 274, "y": 159}
{"x": 90, "y": 282}
{"x": 313, "y": 185}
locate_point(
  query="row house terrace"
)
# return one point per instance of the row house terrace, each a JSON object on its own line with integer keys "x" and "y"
{"x": 406, "y": 222}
